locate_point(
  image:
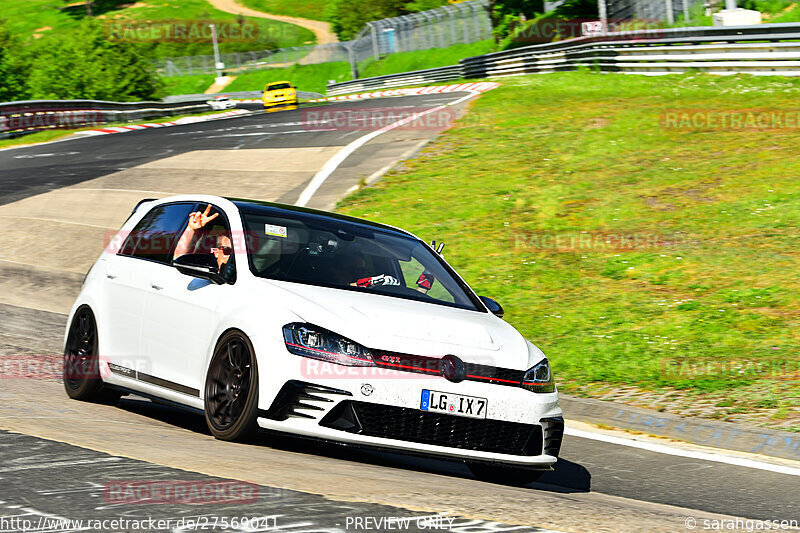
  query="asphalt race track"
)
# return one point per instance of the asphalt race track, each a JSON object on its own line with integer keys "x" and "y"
{"x": 57, "y": 457}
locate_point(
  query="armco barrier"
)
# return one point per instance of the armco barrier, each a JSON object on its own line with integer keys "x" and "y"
{"x": 415, "y": 77}
{"x": 21, "y": 117}
{"x": 763, "y": 49}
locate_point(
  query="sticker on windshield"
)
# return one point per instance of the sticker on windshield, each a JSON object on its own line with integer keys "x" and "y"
{"x": 276, "y": 231}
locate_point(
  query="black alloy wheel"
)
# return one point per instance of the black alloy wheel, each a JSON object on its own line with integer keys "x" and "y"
{"x": 81, "y": 361}
{"x": 231, "y": 393}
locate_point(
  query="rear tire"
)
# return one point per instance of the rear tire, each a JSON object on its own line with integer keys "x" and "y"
{"x": 231, "y": 392}
{"x": 504, "y": 475}
{"x": 82, "y": 363}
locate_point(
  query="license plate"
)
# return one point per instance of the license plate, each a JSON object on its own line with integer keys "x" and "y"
{"x": 453, "y": 404}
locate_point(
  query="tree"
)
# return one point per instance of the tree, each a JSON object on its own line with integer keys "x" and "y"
{"x": 83, "y": 64}
{"x": 12, "y": 81}
{"x": 505, "y": 14}
{"x": 348, "y": 17}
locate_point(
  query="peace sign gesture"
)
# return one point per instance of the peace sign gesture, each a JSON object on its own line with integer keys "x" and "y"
{"x": 197, "y": 219}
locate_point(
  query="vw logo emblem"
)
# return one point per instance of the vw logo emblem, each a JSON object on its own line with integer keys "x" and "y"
{"x": 366, "y": 389}
{"x": 452, "y": 368}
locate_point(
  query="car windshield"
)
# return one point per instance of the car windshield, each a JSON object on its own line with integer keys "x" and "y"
{"x": 318, "y": 250}
{"x": 279, "y": 86}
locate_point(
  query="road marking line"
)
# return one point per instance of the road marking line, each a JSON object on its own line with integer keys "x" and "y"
{"x": 670, "y": 450}
{"x": 82, "y": 189}
{"x": 333, "y": 163}
{"x": 265, "y": 133}
{"x": 383, "y": 170}
{"x": 56, "y": 221}
{"x": 34, "y": 466}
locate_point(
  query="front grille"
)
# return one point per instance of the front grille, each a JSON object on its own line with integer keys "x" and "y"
{"x": 424, "y": 427}
{"x": 423, "y": 364}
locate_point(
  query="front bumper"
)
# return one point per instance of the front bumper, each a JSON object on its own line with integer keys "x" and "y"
{"x": 522, "y": 428}
{"x": 290, "y": 100}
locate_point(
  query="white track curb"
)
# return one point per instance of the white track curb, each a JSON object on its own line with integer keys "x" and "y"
{"x": 185, "y": 120}
{"x": 480, "y": 87}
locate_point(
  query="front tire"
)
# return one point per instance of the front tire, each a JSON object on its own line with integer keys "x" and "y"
{"x": 82, "y": 363}
{"x": 504, "y": 475}
{"x": 231, "y": 393}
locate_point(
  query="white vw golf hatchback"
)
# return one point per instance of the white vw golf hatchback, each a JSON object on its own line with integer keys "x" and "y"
{"x": 314, "y": 324}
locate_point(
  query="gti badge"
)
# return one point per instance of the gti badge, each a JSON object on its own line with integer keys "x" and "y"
{"x": 452, "y": 368}
{"x": 366, "y": 389}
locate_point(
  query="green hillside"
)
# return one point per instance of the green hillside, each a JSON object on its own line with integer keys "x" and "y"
{"x": 30, "y": 20}
{"x": 308, "y": 9}
{"x": 650, "y": 257}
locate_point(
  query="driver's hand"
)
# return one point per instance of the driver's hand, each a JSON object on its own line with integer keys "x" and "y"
{"x": 374, "y": 281}
{"x": 425, "y": 281}
{"x": 197, "y": 219}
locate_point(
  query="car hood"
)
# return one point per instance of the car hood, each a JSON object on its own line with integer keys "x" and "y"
{"x": 406, "y": 326}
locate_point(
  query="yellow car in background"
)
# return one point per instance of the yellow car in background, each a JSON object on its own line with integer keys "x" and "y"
{"x": 279, "y": 93}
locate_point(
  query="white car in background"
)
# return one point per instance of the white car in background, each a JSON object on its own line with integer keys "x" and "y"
{"x": 318, "y": 325}
{"x": 220, "y": 103}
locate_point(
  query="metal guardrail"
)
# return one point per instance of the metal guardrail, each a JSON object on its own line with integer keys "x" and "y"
{"x": 452, "y": 72}
{"x": 763, "y": 49}
{"x": 18, "y": 118}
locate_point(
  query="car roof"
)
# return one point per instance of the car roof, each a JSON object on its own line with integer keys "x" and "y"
{"x": 258, "y": 206}
{"x": 276, "y": 82}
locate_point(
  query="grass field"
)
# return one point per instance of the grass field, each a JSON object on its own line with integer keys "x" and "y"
{"x": 305, "y": 77}
{"x": 314, "y": 78}
{"x": 308, "y": 9}
{"x": 196, "y": 84}
{"x": 422, "y": 59}
{"x": 638, "y": 255}
{"x": 28, "y": 17}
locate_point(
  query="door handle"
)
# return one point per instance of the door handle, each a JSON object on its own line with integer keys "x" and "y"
{"x": 156, "y": 287}
{"x": 111, "y": 276}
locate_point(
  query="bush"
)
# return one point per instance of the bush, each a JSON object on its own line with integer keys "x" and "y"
{"x": 12, "y": 84}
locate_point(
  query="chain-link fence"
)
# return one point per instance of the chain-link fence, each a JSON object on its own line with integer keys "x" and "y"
{"x": 650, "y": 10}
{"x": 465, "y": 22}
{"x": 238, "y": 62}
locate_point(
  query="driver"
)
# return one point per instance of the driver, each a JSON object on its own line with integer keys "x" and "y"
{"x": 197, "y": 220}
{"x": 352, "y": 265}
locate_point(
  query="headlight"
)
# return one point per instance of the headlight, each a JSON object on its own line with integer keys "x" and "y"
{"x": 539, "y": 378}
{"x": 318, "y": 343}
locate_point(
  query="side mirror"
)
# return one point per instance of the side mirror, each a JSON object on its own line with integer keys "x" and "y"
{"x": 493, "y": 307}
{"x": 202, "y": 266}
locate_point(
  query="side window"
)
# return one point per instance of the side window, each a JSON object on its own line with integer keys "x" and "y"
{"x": 155, "y": 235}
{"x": 212, "y": 237}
